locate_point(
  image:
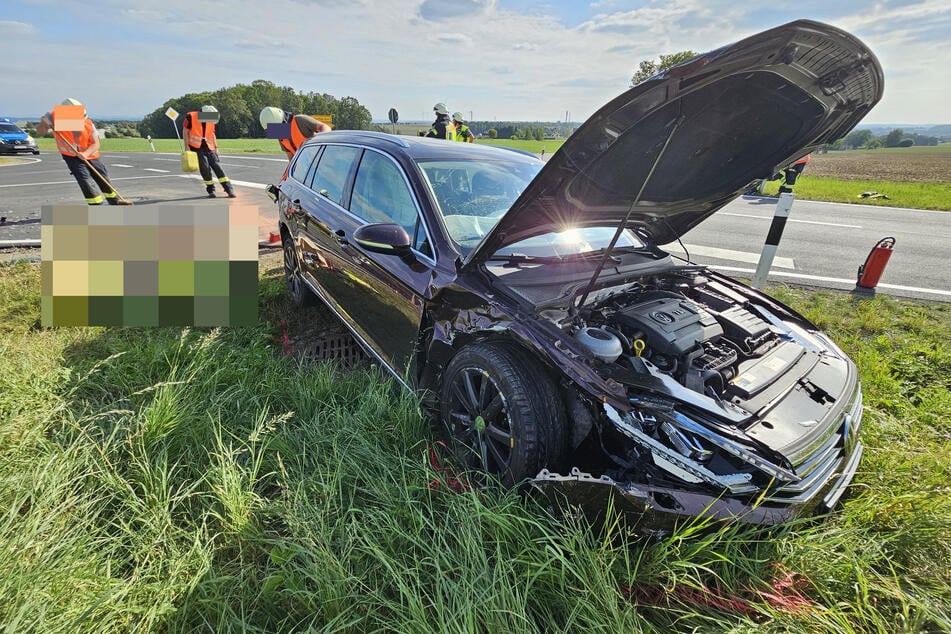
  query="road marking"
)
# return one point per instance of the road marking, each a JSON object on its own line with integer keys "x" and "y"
{"x": 256, "y": 158}
{"x": 152, "y": 169}
{"x": 865, "y": 207}
{"x": 736, "y": 256}
{"x": 822, "y": 278}
{"x": 804, "y": 222}
{"x": 239, "y": 183}
{"x": 23, "y": 160}
{"x": 120, "y": 165}
{"x": 232, "y": 156}
{"x": 118, "y": 178}
{"x": 253, "y": 167}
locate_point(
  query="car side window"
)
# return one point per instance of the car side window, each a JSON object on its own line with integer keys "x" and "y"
{"x": 334, "y": 169}
{"x": 380, "y": 193}
{"x": 305, "y": 160}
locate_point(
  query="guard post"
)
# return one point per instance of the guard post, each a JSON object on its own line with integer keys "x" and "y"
{"x": 783, "y": 207}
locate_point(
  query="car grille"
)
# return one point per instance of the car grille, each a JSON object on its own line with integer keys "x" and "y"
{"x": 823, "y": 464}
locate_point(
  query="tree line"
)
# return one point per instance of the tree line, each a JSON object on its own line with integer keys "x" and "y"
{"x": 240, "y": 105}
{"x": 866, "y": 140}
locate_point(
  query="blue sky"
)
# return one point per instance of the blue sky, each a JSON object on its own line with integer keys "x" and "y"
{"x": 495, "y": 59}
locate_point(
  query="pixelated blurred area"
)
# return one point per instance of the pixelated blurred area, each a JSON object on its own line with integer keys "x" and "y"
{"x": 164, "y": 265}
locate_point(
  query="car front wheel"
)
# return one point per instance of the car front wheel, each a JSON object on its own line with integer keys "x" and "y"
{"x": 501, "y": 413}
{"x": 300, "y": 293}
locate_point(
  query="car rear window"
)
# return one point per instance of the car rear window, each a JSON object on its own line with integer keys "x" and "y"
{"x": 304, "y": 162}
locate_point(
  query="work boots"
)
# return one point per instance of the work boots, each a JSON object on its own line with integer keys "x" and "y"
{"x": 229, "y": 189}
{"x": 211, "y": 191}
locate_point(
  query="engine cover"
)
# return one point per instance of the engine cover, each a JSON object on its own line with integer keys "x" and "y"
{"x": 670, "y": 326}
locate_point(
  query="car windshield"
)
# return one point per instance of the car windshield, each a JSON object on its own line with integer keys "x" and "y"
{"x": 473, "y": 195}
{"x": 9, "y": 128}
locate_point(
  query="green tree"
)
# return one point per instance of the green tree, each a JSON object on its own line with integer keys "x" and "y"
{"x": 648, "y": 67}
{"x": 348, "y": 114}
{"x": 493, "y": 133}
{"x": 858, "y": 138}
{"x": 893, "y": 138}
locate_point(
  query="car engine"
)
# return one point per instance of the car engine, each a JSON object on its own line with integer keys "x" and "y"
{"x": 699, "y": 332}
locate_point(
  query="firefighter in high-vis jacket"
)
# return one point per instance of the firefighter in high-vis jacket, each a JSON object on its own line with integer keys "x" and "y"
{"x": 442, "y": 127}
{"x": 302, "y": 127}
{"x": 75, "y": 146}
{"x": 199, "y": 134}
{"x": 463, "y": 133}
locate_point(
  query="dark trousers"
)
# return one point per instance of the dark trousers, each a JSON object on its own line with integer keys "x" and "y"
{"x": 90, "y": 182}
{"x": 208, "y": 163}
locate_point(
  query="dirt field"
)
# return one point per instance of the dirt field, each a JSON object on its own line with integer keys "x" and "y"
{"x": 933, "y": 165}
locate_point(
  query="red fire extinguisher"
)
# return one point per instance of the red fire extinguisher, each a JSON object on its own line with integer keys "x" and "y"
{"x": 871, "y": 271}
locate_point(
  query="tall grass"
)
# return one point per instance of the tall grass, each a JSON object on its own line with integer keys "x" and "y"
{"x": 196, "y": 480}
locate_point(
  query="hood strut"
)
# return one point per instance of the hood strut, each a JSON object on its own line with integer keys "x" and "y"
{"x": 623, "y": 225}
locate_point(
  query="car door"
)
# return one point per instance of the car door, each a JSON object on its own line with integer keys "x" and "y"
{"x": 382, "y": 296}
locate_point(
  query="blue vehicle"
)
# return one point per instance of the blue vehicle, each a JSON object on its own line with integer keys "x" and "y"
{"x": 13, "y": 139}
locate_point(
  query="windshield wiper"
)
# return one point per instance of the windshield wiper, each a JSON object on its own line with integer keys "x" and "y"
{"x": 519, "y": 258}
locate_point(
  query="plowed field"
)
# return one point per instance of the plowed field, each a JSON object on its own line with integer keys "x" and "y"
{"x": 921, "y": 165}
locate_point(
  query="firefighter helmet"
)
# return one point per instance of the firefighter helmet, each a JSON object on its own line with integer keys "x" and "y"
{"x": 270, "y": 114}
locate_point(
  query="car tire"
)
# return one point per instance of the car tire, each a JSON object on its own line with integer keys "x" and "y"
{"x": 35, "y": 152}
{"x": 501, "y": 413}
{"x": 300, "y": 293}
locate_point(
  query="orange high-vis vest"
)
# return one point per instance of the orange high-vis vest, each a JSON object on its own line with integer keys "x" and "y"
{"x": 198, "y": 131}
{"x": 297, "y": 137}
{"x": 82, "y": 140}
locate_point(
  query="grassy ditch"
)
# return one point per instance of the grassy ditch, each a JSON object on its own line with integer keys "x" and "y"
{"x": 916, "y": 195}
{"x": 184, "y": 479}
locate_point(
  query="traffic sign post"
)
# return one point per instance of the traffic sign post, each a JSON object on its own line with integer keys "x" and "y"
{"x": 394, "y": 117}
{"x": 172, "y": 114}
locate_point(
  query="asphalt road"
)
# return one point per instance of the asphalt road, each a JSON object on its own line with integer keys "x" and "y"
{"x": 144, "y": 178}
{"x": 823, "y": 243}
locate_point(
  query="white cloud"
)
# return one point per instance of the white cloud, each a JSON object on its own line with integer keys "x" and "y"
{"x": 14, "y": 29}
{"x": 440, "y": 10}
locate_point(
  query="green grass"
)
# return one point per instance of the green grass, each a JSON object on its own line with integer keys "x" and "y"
{"x": 914, "y": 195}
{"x": 267, "y": 146}
{"x": 188, "y": 480}
{"x": 549, "y": 145}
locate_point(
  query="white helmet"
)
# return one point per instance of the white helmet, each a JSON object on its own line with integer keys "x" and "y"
{"x": 270, "y": 114}
{"x": 69, "y": 101}
{"x": 457, "y": 116}
{"x": 209, "y": 109}
{"x": 440, "y": 108}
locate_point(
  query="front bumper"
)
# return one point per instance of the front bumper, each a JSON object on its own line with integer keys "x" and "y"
{"x": 659, "y": 509}
{"x": 826, "y": 474}
{"x": 11, "y": 147}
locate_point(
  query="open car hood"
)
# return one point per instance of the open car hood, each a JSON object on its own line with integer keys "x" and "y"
{"x": 707, "y": 128}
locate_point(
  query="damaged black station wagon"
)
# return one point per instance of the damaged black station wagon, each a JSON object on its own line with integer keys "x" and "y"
{"x": 551, "y": 337}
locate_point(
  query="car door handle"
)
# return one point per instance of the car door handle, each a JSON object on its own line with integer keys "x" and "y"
{"x": 341, "y": 237}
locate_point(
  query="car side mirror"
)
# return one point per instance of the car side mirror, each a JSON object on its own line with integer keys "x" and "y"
{"x": 272, "y": 192}
{"x": 387, "y": 238}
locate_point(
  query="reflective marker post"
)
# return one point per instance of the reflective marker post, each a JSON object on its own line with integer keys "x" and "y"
{"x": 783, "y": 206}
